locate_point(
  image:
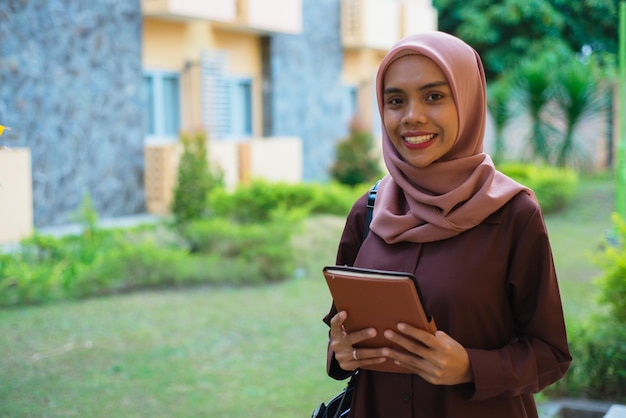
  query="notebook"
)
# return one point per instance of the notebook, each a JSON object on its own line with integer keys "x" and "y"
{"x": 378, "y": 299}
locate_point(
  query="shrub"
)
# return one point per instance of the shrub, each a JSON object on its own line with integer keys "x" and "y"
{"x": 612, "y": 259}
{"x": 264, "y": 248}
{"x": 46, "y": 269}
{"x": 599, "y": 345}
{"x": 249, "y": 243}
{"x": 210, "y": 251}
{"x": 356, "y": 163}
{"x": 195, "y": 179}
{"x": 336, "y": 198}
{"x": 598, "y": 370}
{"x": 259, "y": 201}
{"x": 554, "y": 187}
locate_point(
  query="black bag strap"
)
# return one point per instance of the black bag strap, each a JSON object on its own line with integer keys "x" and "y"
{"x": 342, "y": 411}
{"x": 371, "y": 199}
{"x": 339, "y": 406}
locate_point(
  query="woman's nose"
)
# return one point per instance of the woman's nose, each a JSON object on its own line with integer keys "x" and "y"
{"x": 416, "y": 114}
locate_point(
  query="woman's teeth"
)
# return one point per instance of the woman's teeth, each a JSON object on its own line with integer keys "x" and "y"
{"x": 418, "y": 139}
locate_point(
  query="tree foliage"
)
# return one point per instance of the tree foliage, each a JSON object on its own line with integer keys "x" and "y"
{"x": 196, "y": 178}
{"x": 557, "y": 94}
{"x": 356, "y": 163}
{"x": 505, "y": 31}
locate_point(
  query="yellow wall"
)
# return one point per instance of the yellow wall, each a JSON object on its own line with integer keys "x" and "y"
{"x": 162, "y": 45}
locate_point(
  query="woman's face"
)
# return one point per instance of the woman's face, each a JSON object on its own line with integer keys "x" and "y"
{"x": 419, "y": 113}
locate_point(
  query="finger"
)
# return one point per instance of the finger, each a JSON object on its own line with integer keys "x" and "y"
{"x": 345, "y": 342}
{"x": 336, "y": 325}
{"x": 338, "y": 319}
{"x": 411, "y": 345}
{"x": 355, "y": 358}
{"x": 419, "y": 334}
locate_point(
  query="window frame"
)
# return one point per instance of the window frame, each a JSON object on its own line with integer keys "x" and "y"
{"x": 158, "y": 105}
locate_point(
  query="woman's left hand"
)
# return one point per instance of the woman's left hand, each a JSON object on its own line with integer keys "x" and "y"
{"x": 439, "y": 359}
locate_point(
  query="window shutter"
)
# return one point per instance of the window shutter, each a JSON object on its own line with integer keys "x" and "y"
{"x": 216, "y": 113}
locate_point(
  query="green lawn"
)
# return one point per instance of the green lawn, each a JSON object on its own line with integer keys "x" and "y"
{"x": 576, "y": 234}
{"x": 206, "y": 352}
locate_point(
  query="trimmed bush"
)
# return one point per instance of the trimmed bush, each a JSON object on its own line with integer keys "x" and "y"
{"x": 47, "y": 269}
{"x": 554, "y": 187}
{"x": 195, "y": 179}
{"x": 261, "y": 200}
{"x": 264, "y": 247}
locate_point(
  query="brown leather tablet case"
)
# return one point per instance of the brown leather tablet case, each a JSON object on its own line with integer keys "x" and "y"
{"x": 378, "y": 299}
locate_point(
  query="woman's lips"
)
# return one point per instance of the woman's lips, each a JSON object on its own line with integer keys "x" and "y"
{"x": 418, "y": 139}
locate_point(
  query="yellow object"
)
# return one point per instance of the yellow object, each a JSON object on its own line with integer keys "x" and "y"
{"x": 3, "y": 128}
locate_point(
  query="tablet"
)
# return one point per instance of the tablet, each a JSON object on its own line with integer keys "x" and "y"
{"x": 378, "y": 299}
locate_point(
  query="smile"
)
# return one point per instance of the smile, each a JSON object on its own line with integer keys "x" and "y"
{"x": 419, "y": 139}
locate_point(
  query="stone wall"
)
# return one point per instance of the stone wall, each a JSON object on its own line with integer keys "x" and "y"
{"x": 306, "y": 86}
{"x": 71, "y": 90}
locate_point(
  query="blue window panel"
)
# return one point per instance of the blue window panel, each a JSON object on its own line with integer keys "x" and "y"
{"x": 163, "y": 109}
{"x": 171, "y": 105}
{"x": 241, "y": 108}
{"x": 150, "y": 119}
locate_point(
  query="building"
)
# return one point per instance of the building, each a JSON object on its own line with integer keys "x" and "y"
{"x": 267, "y": 86}
{"x": 98, "y": 90}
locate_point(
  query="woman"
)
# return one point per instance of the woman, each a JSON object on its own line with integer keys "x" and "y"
{"x": 476, "y": 241}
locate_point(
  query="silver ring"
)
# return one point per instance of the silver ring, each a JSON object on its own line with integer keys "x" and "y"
{"x": 354, "y": 354}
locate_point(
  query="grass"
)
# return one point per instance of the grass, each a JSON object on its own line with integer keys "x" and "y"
{"x": 576, "y": 234}
{"x": 222, "y": 352}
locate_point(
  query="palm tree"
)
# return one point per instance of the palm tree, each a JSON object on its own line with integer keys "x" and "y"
{"x": 578, "y": 95}
{"x": 534, "y": 81}
{"x": 499, "y": 104}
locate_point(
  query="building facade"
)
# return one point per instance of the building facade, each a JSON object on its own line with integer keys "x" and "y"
{"x": 100, "y": 90}
{"x": 71, "y": 90}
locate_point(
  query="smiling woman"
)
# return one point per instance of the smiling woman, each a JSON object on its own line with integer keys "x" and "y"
{"x": 419, "y": 113}
{"x": 474, "y": 238}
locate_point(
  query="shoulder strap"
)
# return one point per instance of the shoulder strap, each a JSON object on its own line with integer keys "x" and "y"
{"x": 371, "y": 199}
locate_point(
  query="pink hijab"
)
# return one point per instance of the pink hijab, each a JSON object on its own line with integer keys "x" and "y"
{"x": 458, "y": 191}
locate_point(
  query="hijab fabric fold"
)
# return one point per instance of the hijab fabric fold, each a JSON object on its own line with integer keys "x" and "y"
{"x": 461, "y": 189}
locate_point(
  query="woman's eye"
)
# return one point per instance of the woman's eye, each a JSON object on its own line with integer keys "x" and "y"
{"x": 394, "y": 101}
{"x": 433, "y": 97}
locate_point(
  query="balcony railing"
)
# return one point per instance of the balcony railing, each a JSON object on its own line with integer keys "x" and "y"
{"x": 378, "y": 24}
{"x": 212, "y": 10}
{"x": 263, "y": 16}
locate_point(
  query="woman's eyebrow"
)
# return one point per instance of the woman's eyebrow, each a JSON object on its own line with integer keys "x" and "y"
{"x": 394, "y": 90}
{"x": 433, "y": 84}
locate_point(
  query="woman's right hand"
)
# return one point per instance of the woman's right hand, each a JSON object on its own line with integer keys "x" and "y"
{"x": 343, "y": 345}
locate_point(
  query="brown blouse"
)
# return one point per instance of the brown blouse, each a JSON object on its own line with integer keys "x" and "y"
{"x": 493, "y": 289}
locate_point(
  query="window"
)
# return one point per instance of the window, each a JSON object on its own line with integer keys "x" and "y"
{"x": 163, "y": 108}
{"x": 226, "y": 99}
{"x": 241, "y": 108}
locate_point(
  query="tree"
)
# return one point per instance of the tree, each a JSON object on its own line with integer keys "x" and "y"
{"x": 534, "y": 90}
{"x": 355, "y": 162}
{"x": 506, "y": 31}
{"x": 499, "y": 103}
{"x": 195, "y": 179}
{"x": 557, "y": 93}
{"x": 578, "y": 94}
